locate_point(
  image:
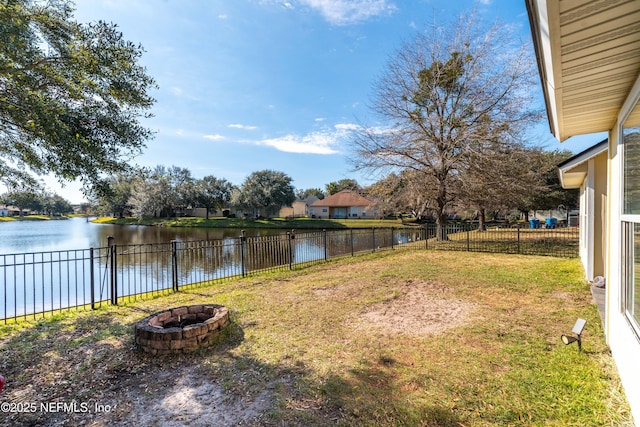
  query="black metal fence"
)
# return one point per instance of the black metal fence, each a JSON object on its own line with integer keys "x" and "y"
{"x": 560, "y": 242}
{"x": 36, "y": 284}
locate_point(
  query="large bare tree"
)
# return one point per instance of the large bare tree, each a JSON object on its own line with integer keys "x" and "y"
{"x": 442, "y": 97}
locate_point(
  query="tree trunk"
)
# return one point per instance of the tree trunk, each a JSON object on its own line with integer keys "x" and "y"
{"x": 441, "y": 215}
{"x": 441, "y": 227}
{"x": 482, "y": 219}
{"x": 207, "y": 212}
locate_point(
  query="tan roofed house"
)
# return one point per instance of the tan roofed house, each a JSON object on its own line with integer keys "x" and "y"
{"x": 343, "y": 205}
{"x": 588, "y": 54}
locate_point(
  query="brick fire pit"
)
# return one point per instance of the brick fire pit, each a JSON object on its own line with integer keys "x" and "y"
{"x": 181, "y": 329}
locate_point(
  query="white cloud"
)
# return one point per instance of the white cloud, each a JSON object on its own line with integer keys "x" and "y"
{"x": 320, "y": 119}
{"x": 223, "y": 16}
{"x": 323, "y": 142}
{"x": 343, "y": 12}
{"x": 309, "y": 144}
{"x": 179, "y": 92}
{"x": 214, "y": 137}
{"x": 240, "y": 126}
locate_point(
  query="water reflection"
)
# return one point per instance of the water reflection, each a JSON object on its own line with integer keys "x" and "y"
{"x": 78, "y": 233}
{"x": 41, "y": 273}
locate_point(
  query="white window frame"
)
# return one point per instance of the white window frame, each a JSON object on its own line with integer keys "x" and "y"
{"x": 627, "y": 266}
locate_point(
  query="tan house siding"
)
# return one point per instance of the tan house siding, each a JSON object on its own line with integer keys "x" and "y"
{"x": 600, "y": 214}
{"x": 588, "y": 172}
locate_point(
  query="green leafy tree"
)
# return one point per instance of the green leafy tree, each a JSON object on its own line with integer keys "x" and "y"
{"x": 553, "y": 194}
{"x": 71, "y": 95}
{"x": 344, "y": 184}
{"x": 183, "y": 186}
{"x": 115, "y": 195}
{"x": 317, "y": 192}
{"x": 497, "y": 177}
{"x": 213, "y": 193}
{"x": 53, "y": 204}
{"x": 24, "y": 200}
{"x": 542, "y": 189}
{"x": 265, "y": 191}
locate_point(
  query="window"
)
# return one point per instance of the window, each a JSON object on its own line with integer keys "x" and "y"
{"x": 631, "y": 171}
{"x": 631, "y": 227}
{"x": 324, "y": 210}
{"x": 631, "y": 280}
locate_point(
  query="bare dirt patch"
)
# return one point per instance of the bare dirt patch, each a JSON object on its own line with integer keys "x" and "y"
{"x": 195, "y": 400}
{"x": 420, "y": 308}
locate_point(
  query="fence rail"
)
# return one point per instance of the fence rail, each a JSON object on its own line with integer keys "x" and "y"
{"x": 41, "y": 283}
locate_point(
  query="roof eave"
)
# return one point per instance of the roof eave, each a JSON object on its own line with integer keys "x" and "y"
{"x": 542, "y": 36}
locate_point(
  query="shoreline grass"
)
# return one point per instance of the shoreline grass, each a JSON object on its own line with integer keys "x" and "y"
{"x": 283, "y": 223}
{"x": 294, "y": 346}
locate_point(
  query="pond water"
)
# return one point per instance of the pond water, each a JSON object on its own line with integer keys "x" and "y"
{"x": 78, "y": 233}
{"x": 48, "y": 265}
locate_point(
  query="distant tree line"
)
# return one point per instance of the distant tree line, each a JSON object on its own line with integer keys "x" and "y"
{"x": 163, "y": 192}
{"x": 517, "y": 180}
{"x": 41, "y": 203}
{"x": 520, "y": 180}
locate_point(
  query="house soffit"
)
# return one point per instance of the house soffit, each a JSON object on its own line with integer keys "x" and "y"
{"x": 589, "y": 58}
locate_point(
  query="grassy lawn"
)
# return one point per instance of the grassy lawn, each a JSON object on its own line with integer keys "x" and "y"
{"x": 297, "y": 223}
{"x": 559, "y": 242}
{"x": 31, "y": 218}
{"x": 387, "y": 339}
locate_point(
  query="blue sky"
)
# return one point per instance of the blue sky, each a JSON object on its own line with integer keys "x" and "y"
{"x": 247, "y": 85}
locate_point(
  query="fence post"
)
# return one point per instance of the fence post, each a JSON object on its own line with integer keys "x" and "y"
{"x": 92, "y": 280}
{"x": 174, "y": 265}
{"x": 426, "y": 236}
{"x": 114, "y": 270}
{"x": 351, "y": 233}
{"x": 468, "y": 237}
{"x": 243, "y": 238}
{"x": 373, "y": 239}
{"x": 290, "y": 237}
{"x": 324, "y": 242}
{"x": 391, "y": 237}
{"x": 518, "y": 238}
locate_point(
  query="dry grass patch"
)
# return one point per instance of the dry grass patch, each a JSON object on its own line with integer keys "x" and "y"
{"x": 418, "y": 308}
{"x": 388, "y": 339}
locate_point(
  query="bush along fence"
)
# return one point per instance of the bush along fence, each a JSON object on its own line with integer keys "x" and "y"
{"x": 36, "y": 284}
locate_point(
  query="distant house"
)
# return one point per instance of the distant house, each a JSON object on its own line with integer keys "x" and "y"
{"x": 8, "y": 210}
{"x": 344, "y": 204}
{"x": 301, "y": 207}
{"x": 298, "y": 209}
